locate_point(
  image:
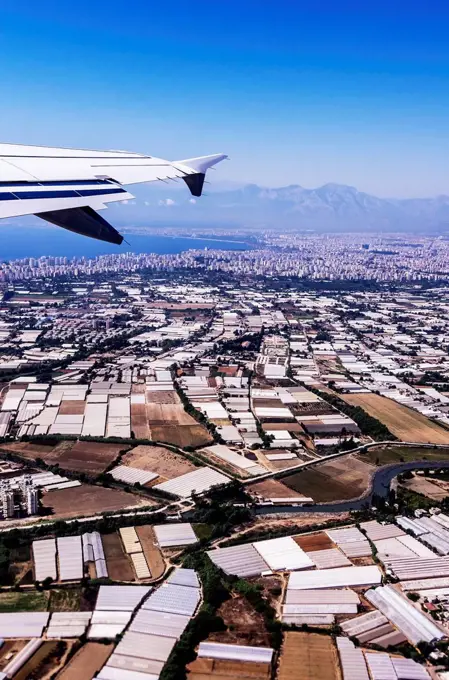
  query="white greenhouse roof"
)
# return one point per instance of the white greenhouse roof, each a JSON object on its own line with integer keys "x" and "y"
{"x": 217, "y": 650}
{"x": 335, "y": 578}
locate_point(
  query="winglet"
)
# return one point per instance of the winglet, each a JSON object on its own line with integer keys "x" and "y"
{"x": 202, "y": 163}
{"x": 195, "y": 170}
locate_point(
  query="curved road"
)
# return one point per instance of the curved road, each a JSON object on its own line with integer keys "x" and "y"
{"x": 380, "y": 485}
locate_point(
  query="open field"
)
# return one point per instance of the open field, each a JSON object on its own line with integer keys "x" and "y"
{"x": 25, "y": 602}
{"x": 45, "y": 661}
{"x": 403, "y": 422}
{"x": 427, "y": 487}
{"x": 72, "y": 408}
{"x": 87, "y": 662}
{"x": 91, "y": 457}
{"x": 245, "y": 625}
{"x": 385, "y": 455}
{"x": 88, "y": 500}
{"x": 291, "y": 427}
{"x": 311, "y": 542}
{"x": 169, "y": 422}
{"x": 308, "y": 656}
{"x": 219, "y": 669}
{"x": 20, "y": 567}
{"x": 159, "y": 460}
{"x": 165, "y": 414}
{"x": 117, "y": 562}
{"x": 162, "y": 397}
{"x": 81, "y": 456}
{"x": 67, "y": 600}
{"x": 151, "y": 550}
{"x": 139, "y": 421}
{"x": 181, "y": 435}
{"x": 271, "y": 488}
{"x": 341, "y": 479}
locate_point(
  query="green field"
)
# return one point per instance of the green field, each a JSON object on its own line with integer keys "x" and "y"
{"x": 203, "y": 531}
{"x": 25, "y": 602}
{"x": 384, "y": 455}
{"x": 68, "y": 600}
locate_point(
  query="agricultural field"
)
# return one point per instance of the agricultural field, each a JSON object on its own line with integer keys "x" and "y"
{"x": 404, "y": 423}
{"x": 271, "y": 488}
{"x": 20, "y": 568}
{"x": 245, "y": 625}
{"x": 139, "y": 421}
{"x": 159, "y": 460}
{"x": 81, "y": 456}
{"x": 219, "y": 669}
{"x": 181, "y": 435}
{"x": 46, "y": 661}
{"x": 90, "y": 457}
{"x": 118, "y": 564}
{"x": 32, "y": 601}
{"x": 86, "y": 500}
{"x": 87, "y": 662}
{"x": 341, "y": 479}
{"x": 386, "y": 455}
{"x": 72, "y": 408}
{"x": 308, "y": 656}
{"x": 67, "y": 600}
{"x": 168, "y": 421}
{"x": 153, "y": 555}
{"x": 427, "y": 486}
{"x": 316, "y": 541}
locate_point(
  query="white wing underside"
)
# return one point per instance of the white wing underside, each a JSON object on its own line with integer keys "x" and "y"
{"x": 44, "y": 180}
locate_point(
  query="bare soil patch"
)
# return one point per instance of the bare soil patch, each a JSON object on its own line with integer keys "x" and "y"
{"x": 163, "y": 462}
{"x": 308, "y": 656}
{"x": 426, "y": 487}
{"x": 341, "y": 479}
{"x": 272, "y": 488}
{"x": 80, "y": 456}
{"x": 182, "y": 435}
{"x": 247, "y": 626}
{"x": 88, "y": 500}
{"x": 311, "y": 542}
{"x": 162, "y": 397}
{"x": 220, "y": 669}
{"x": 165, "y": 414}
{"x": 72, "y": 408}
{"x": 90, "y": 457}
{"x": 45, "y": 661}
{"x": 403, "y": 422}
{"x": 290, "y": 427}
{"x": 118, "y": 564}
{"x": 139, "y": 421}
{"x": 87, "y": 662}
{"x": 153, "y": 555}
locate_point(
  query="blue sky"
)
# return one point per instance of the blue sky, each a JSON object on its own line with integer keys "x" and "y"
{"x": 295, "y": 92}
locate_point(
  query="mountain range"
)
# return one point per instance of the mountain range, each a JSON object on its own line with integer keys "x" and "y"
{"x": 329, "y": 208}
{"x": 332, "y": 207}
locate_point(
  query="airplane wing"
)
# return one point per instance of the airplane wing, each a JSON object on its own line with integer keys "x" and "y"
{"x": 67, "y": 186}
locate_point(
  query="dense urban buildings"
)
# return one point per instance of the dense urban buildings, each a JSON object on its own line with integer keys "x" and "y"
{"x": 217, "y": 461}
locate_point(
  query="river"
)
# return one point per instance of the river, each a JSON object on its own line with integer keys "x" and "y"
{"x": 380, "y": 486}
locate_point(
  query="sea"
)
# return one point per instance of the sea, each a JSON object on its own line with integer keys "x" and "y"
{"x": 22, "y": 242}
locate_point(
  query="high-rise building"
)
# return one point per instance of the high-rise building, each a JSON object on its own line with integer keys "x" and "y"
{"x": 32, "y": 500}
{"x": 7, "y": 502}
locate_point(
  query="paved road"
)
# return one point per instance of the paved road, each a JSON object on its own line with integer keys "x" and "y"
{"x": 276, "y": 474}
